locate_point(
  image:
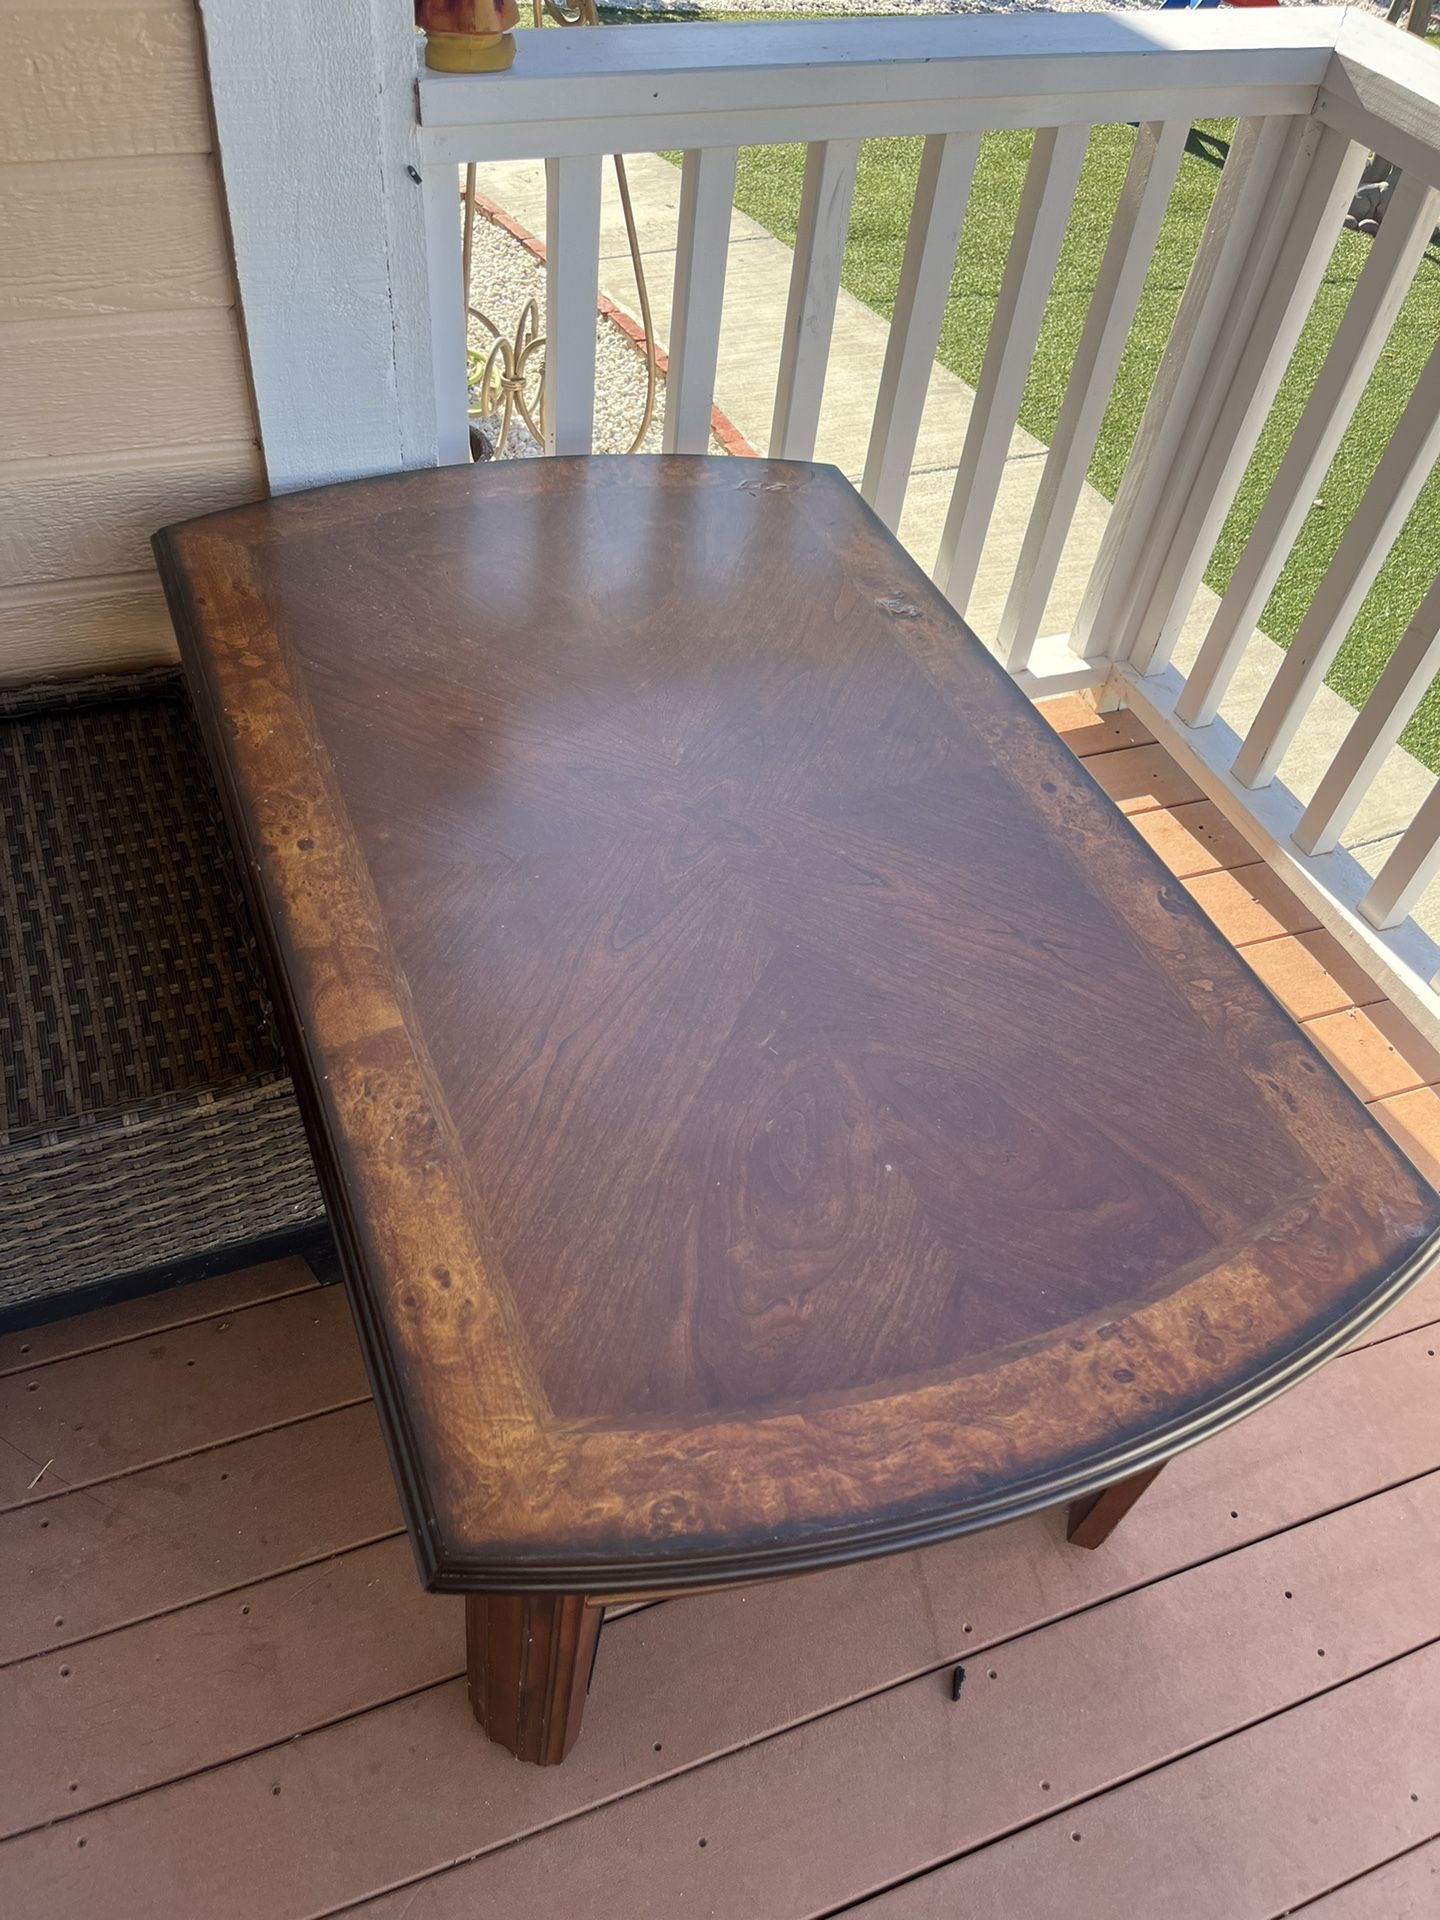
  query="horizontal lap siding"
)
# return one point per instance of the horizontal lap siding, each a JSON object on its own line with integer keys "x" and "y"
{"x": 124, "y": 394}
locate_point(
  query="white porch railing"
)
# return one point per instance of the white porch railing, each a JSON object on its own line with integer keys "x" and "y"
{"x": 1313, "y": 90}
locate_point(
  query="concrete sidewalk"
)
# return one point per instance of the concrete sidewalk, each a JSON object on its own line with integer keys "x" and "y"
{"x": 756, "y": 292}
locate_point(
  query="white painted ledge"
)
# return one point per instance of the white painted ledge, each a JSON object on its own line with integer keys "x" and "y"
{"x": 639, "y": 88}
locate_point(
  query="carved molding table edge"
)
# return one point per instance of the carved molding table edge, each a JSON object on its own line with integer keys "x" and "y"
{"x": 308, "y": 702}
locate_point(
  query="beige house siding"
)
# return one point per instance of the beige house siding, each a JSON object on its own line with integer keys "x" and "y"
{"x": 124, "y": 399}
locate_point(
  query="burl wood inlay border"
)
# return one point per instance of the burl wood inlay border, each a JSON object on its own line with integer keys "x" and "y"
{"x": 501, "y": 1493}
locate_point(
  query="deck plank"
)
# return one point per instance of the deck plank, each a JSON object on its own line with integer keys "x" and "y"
{"x": 909, "y": 1778}
{"x": 168, "y": 1536}
{"x": 1418, "y": 1052}
{"x": 1413, "y": 1119}
{"x": 1194, "y": 837}
{"x": 152, "y": 1313}
{"x": 1418, "y": 1308}
{"x": 393, "y": 1794}
{"x": 1369, "y": 1062}
{"x": 1249, "y": 904}
{"x": 134, "y": 1582}
{"x": 1403, "y": 1889}
{"x": 117, "y": 1715}
{"x": 1239, "y": 1832}
{"x": 1311, "y": 974}
{"x": 1139, "y": 778}
{"x": 130, "y": 1406}
{"x": 1087, "y": 732}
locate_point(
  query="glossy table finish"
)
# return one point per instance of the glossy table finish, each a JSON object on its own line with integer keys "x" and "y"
{"x": 773, "y": 1109}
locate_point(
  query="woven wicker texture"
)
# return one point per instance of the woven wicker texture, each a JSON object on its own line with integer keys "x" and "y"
{"x": 149, "y": 1188}
{"x": 146, "y": 1116}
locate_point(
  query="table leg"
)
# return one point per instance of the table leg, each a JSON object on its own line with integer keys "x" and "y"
{"x": 529, "y": 1657}
{"x": 1093, "y": 1519}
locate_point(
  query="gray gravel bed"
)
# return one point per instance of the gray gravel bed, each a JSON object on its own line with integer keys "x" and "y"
{"x": 504, "y": 274}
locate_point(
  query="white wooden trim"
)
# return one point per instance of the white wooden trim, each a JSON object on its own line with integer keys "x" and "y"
{"x": 649, "y": 87}
{"x": 1102, "y": 627}
{"x": 1256, "y": 231}
{"x": 1403, "y": 960}
{"x": 1402, "y": 684}
{"x": 1412, "y": 865}
{"x": 1054, "y": 668}
{"x": 449, "y": 314}
{"x": 572, "y": 286}
{"x": 702, "y": 251}
{"x": 1050, "y": 182}
{"x": 942, "y": 192}
{"x": 1401, "y": 472}
{"x": 1143, "y": 200}
{"x": 1364, "y": 328}
{"x": 314, "y": 121}
{"x": 882, "y": 119}
{"x": 1382, "y": 88}
{"x": 1327, "y": 171}
{"x": 824, "y": 221}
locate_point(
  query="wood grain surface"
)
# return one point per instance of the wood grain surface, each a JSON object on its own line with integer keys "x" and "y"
{"x": 773, "y": 1106}
{"x": 382, "y": 1795}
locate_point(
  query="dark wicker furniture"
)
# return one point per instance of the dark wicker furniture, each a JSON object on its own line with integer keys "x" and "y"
{"x": 149, "y": 1131}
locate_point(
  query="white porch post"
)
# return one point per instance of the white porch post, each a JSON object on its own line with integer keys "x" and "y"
{"x": 315, "y": 121}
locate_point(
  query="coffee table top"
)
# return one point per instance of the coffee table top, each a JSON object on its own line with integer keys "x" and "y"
{"x": 772, "y": 1106}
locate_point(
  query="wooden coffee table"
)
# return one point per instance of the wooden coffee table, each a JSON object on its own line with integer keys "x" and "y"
{"x": 772, "y": 1107}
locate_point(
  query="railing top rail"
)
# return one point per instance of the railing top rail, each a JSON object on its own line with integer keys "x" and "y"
{"x": 907, "y": 75}
{"x": 1383, "y": 89}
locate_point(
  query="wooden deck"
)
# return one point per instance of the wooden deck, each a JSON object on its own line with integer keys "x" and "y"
{"x": 224, "y": 1696}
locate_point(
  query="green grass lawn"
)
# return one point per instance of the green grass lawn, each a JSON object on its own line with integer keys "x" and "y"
{"x": 769, "y": 190}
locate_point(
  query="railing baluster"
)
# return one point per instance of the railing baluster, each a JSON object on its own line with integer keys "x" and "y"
{"x": 1222, "y": 259}
{"x": 1378, "y": 726}
{"x": 1050, "y": 182}
{"x": 1402, "y": 471}
{"x": 572, "y": 282}
{"x": 941, "y": 194}
{"x": 1141, "y": 207}
{"x": 814, "y": 288}
{"x": 1325, "y": 174}
{"x": 1379, "y": 293}
{"x": 449, "y": 314}
{"x": 1271, "y": 225}
{"x": 1413, "y": 864}
{"x": 707, "y": 191}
